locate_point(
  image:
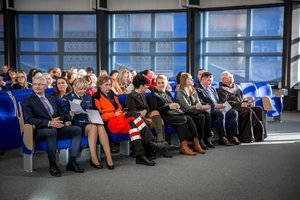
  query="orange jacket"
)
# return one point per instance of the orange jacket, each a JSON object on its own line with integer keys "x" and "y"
{"x": 105, "y": 106}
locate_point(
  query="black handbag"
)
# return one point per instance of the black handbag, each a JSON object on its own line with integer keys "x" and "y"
{"x": 175, "y": 112}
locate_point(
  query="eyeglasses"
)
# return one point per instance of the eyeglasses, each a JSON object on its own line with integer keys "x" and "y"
{"x": 38, "y": 84}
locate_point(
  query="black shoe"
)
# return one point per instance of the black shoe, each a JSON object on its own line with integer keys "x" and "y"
{"x": 111, "y": 167}
{"x": 202, "y": 144}
{"x": 209, "y": 143}
{"x": 151, "y": 156}
{"x": 144, "y": 161}
{"x": 54, "y": 170}
{"x": 95, "y": 166}
{"x": 74, "y": 167}
{"x": 165, "y": 153}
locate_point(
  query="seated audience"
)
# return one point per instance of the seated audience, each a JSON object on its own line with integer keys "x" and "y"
{"x": 114, "y": 74}
{"x": 103, "y": 72}
{"x": 21, "y": 81}
{"x": 30, "y": 74}
{"x": 122, "y": 79}
{"x": 209, "y": 95}
{"x": 2, "y": 84}
{"x": 121, "y": 121}
{"x": 150, "y": 75}
{"x": 56, "y": 73}
{"x": 252, "y": 119}
{"x": 11, "y": 78}
{"x": 161, "y": 100}
{"x": 93, "y": 131}
{"x": 49, "y": 80}
{"x": 71, "y": 77}
{"x": 188, "y": 99}
{"x": 4, "y": 71}
{"x": 41, "y": 110}
{"x": 199, "y": 74}
{"x": 61, "y": 87}
{"x": 91, "y": 89}
{"x": 89, "y": 71}
{"x": 136, "y": 102}
{"x": 178, "y": 81}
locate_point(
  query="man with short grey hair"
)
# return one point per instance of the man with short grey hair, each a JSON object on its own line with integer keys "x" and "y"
{"x": 252, "y": 119}
{"x": 41, "y": 110}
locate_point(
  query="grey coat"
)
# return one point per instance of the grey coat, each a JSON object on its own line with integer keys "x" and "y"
{"x": 187, "y": 103}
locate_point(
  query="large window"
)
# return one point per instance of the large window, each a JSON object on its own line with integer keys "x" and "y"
{"x": 149, "y": 40}
{"x": 2, "y": 62}
{"x": 246, "y": 42}
{"x": 56, "y": 40}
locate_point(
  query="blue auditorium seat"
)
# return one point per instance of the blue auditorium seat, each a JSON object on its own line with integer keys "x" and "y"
{"x": 264, "y": 89}
{"x": 249, "y": 89}
{"x": 10, "y": 134}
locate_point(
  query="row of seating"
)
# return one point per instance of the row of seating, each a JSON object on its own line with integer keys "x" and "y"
{"x": 263, "y": 89}
{"x": 11, "y": 133}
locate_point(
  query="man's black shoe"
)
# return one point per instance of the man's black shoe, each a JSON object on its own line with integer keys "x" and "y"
{"x": 74, "y": 167}
{"x": 144, "y": 161}
{"x": 54, "y": 170}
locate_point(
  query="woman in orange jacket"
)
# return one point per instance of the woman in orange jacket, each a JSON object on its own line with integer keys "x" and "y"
{"x": 120, "y": 121}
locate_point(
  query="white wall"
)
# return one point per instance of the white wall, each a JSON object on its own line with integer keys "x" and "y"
{"x": 226, "y": 3}
{"x": 53, "y": 5}
{"x": 126, "y": 5}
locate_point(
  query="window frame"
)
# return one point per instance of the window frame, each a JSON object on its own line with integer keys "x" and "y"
{"x": 152, "y": 40}
{"x": 60, "y": 40}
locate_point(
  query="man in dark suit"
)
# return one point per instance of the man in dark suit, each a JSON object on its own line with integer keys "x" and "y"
{"x": 42, "y": 111}
{"x": 209, "y": 95}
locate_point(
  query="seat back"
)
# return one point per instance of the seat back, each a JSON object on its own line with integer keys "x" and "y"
{"x": 264, "y": 89}
{"x": 10, "y": 136}
{"x": 7, "y": 108}
{"x": 249, "y": 89}
{"x": 215, "y": 84}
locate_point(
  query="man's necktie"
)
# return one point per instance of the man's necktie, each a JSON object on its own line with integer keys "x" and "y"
{"x": 212, "y": 95}
{"x": 43, "y": 99}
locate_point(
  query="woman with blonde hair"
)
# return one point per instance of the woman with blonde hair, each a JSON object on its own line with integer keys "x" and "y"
{"x": 21, "y": 81}
{"x": 161, "y": 100}
{"x": 93, "y": 131}
{"x": 190, "y": 103}
{"x": 122, "y": 79}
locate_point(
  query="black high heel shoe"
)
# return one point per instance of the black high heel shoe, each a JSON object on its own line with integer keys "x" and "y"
{"x": 95, "y": 166}
{"x": 111, "y": 167}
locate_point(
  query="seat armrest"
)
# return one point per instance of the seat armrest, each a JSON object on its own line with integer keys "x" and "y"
{"x": 28, "y": 136}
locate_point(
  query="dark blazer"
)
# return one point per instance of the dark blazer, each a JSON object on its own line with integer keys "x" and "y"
{"x": 35, "y": 113}
{"x": 159, "y": 103}
{"x": 17, "y": 86}
{"x": 78, "y": 119}
{"x": 206, "y": 97}
{"x": 136, "y": 102}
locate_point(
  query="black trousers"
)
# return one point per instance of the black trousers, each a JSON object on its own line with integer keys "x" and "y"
{"x": 184, "y": 124}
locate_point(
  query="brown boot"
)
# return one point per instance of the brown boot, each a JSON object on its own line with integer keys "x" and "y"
{"x": 184, "y": 149}
{"x": 197, "y": 146}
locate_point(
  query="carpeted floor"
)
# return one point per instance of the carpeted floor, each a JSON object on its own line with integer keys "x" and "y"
{"x": 269, "y": 170}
